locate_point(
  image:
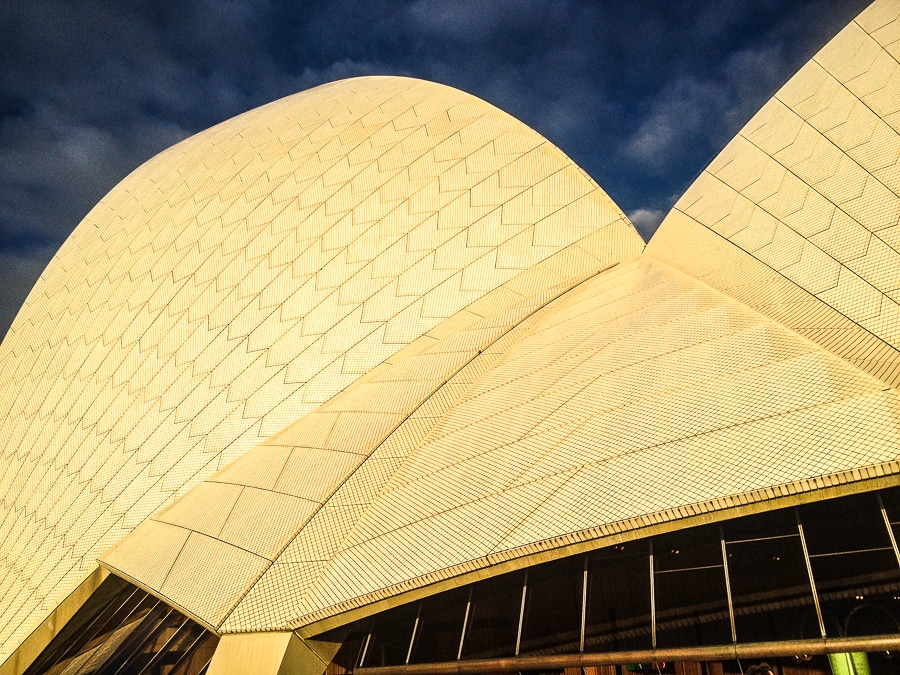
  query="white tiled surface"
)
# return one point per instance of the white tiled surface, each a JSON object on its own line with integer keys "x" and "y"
{"x": 241, "y": 279}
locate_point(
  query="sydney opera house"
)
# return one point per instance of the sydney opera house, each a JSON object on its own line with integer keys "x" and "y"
{"x": 373, "y": 379}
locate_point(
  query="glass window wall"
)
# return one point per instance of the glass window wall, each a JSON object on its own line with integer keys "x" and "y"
{"x": 123, "y": 630}
{"x": 746, "y": 580}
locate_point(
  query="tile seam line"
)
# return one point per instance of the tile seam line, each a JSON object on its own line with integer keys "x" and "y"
{"x": 95, "y": 543}
{"x": 780, "y": 221}
{"x": 574, "y": 283}
{"x": 531, "y": 311}
{"x": 160, "y": 597}
{"x": 845, "y": 153}
{"x": 652, "y": 397}
{"x": 543, "y": 142}
{"x": 794, "y": 284}
{"x": 224, "y": 328}
{"x": 871, "y": 37}
{"x": 675, "y": 350}
{"x": 649, "y": 397}
{"x": 283, "y": 368}
{"x": 601, "y": 462}
{"x": 633, "y": 524}
{"x": 634, "y": 312}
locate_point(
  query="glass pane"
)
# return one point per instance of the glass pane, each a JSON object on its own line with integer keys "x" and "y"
{"x": 92, "y": 656}
{"x": 198, "y": 656}
{"x": 440, "y": 627}
{"x": 391, "y": 635}
{"x": 691, "y": 597}
{"x": 858, "y": 592}
{"x": 766, "y": 525}
{"x": 102, "y": 604}
{"x": 494, "y": 619}
{"x": 618, "y": 616}
{"x": 770, "y": 590}
{"x": 127, "y": 641}
{"x": 553, "y": 607}
{"x": 150, "y": 647}
{"x": 851, "y": 523}
{"x": 173, "y": 652}
{"x": 350, "y": 651}
{"x": 883, "y": 663}
{"x": 687, "y": 549}
{"x": 891, "y": 500}
{"x": 121, "y": 629}
{"x": 692, "y": 608}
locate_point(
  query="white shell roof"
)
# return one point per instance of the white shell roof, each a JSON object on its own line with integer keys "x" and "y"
{"x": 241, "y": 279}
{"x": 716, "y": 370}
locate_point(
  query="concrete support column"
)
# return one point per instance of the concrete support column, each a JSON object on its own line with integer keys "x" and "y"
{"x": 271, "y": 654}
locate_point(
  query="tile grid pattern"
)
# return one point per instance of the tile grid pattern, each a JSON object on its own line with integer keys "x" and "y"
{"x": 752, "y": 346}
{"x": 241, "y": 279}
{"x": 579, "y": 427}
{"x": 580, "y": 432}
{"x": 810, "y": 188}
{"x": 334, "y": 457}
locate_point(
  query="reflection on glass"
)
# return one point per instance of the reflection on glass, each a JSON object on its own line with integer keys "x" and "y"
{"x": 494, "y": 617}
{"x": 770, "y": 588}
{"x": 391, "y": 635}
{"x": 122, "y": 629}
{"x": 852, "y": 523}
{"x": 552, "y": 621}
{"x": 854, "y": 565}
{"x": 618, "y": 605}
{"x": 352, "y": 640}
{"x": 440, "y": 627}
{"x": 689, "y": 582}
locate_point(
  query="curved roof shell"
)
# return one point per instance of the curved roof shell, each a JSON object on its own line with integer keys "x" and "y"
{"x": 701, "y": 377}
{"x": 592, "y": 410}
{"x": 241, "y": 279}
{"x": 799, "y": 216}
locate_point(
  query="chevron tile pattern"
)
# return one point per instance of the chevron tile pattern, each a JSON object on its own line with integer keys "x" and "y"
{"x": 810, "y": 190}
{"x": 240, "y": 280}
{"x": 377, "y": 339}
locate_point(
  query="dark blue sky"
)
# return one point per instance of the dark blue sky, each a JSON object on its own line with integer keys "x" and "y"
{"x": 640, "y": 94}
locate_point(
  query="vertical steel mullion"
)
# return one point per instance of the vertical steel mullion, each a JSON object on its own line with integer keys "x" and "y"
{"x": 652, "y": 600}
{"x": 727, "y": 584}
{"x": 812, "y": 581}
{"x": 462, "y": 637}
{"x": 522, "y": 613}
{"x": 412, "y": 640}
{"x": 365, "y": 649}
{"x": 584, "y": 587}
{"x": 887, "y": 524}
